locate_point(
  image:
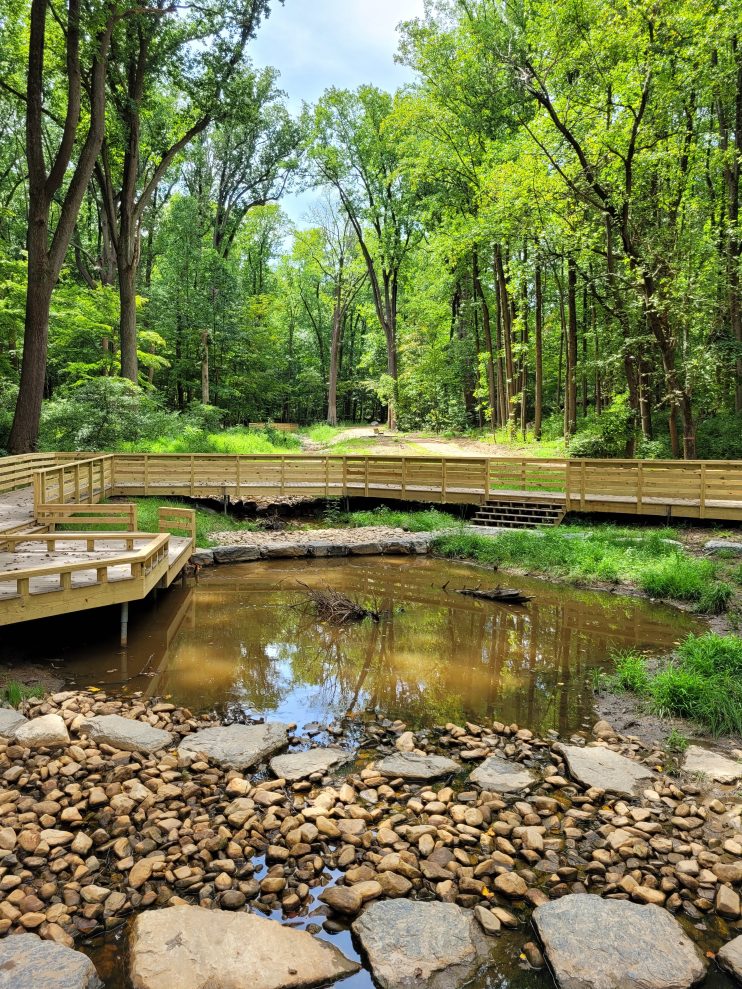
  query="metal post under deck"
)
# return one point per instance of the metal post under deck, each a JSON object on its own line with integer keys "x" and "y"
{"x": 124, "y": 624}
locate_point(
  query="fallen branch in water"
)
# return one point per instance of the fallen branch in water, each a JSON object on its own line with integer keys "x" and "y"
{"x": 335, "y": 607}
{"x": 504, "y": 595}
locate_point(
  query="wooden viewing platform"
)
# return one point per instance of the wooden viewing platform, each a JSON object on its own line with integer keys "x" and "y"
{"x": 43, "y": 572}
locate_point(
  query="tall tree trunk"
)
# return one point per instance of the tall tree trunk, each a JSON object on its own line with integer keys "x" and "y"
{"x": 487, "y": 326}
{"x": 571, "y": 369}
{"x": 27, "y": 419}
{"x": 332, "y": 391}
{"x": 205, "y": 387}
{"x": 507, "y": 336}
{"x": 128, "y": 319}
{"x": 539, "y": 383}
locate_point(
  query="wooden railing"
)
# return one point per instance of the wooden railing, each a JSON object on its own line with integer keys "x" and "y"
{"x": 80, "y": 481}
{"x": 47, "y": 589}
{"x": 113, "y": 514}
{"x": 178, "y": 521}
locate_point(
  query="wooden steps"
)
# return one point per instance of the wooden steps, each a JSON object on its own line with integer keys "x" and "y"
{"x": 525, "y": 514}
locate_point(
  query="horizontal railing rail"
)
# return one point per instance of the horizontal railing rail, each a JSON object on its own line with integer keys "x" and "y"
{"x": 80, "y": 481}
{"x": 121, "y": 516}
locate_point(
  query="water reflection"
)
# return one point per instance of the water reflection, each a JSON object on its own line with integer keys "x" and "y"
{"x": 244, "y": 635}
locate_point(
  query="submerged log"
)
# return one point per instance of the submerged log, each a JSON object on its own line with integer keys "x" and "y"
{"x": 504, "y": 595}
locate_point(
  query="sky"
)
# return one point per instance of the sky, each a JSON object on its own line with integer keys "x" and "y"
{"x": 316, "y": 44}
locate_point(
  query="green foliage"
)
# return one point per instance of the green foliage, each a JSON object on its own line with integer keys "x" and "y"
{"x": 703, "y": 683}
{"x": 604, "y": 435}
{"x": 715, "y": 598}
{"x": 207, "y": 521}
{"x": 676, "y": 741}
{"x": 604, "y": 553}
{"x": 13, "y": 693}
{"x": 424, "y": 521}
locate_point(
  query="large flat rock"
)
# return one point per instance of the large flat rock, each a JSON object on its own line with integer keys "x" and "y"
{"x": 239, "y": 746}
{"x": 595, "y": 765}
{"x": 47, "y": 732}
{"x": 729, "y": 958}
{"x": 501, "y": 776}
{"x": 127, "y": 734}
{"x": 191, "y": 948}
{"x": 414, "y": 944}
{"x": 299, "y": 765}
{"x": 591, "y": 943}
{"x": 716, "y": 766}
{"x": 28, "y": 962}
{"x": 409, "y": 766}
{"x": 10, "y": 719}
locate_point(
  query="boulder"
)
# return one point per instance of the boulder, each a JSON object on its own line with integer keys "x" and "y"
{"x": 592, "y": 943}
{"x": 127, "y": 734}
{"x": 366, "y": 549}
{"x": 238, "y": 746}
{"x": 10, "y": 719}
{"x": 729, "y": 959}
{"x": 501, "y": 776}
{"x": 28, "y": 962}
{"x": 236, "y": 554}
{"x": 712, "y": 764}
{"x": 203, "y": 558}
{"x": 186, "y": 947}
{"x": 714, "y": 545}
{"x": 47, "y": 732}
{"x": 413, "y": 944}
{"x": 299, "y": 765}
{"x": 281, "y": 551}
{"x": 409, "y": 766}
{"x": 321, "y": 549}
{"x": 597, "y": 766}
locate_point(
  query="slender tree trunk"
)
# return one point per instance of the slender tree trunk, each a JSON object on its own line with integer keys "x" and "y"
{"x": 205, "y": 389}
{"x": 487, "y": 326}
{"x": 571, "y": 369}
{"x": 27, "y": 418}
{"x": 507, "y": 335}
{"x": 128, "y": 319}
{"x": 332, "y": 391}
{"x": 539, "y": 383}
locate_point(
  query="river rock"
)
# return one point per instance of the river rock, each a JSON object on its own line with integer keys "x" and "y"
{"x": 712, "y": 764}
{"x": 186, "y": 947}
{"x": 10, "y": 719}
{"x": 501, "y": 776}
{"x": 412, "y": 944}
{"x": 409, "y": 766}
{"x": 239, "y": 746}
{"x": 299, "y": 765}
{"x": 28, "y": 962}
{"x": 127, "y": 734}
{"x": 592, "y": 943}
{"x": 47, "y": 732}
{"x": 236, "y": 554}
{"x": 714, "y": 545}
{"x": 604, "y": 768}
{"x": 203, "y": 558}
{"x": 729, "y": 958}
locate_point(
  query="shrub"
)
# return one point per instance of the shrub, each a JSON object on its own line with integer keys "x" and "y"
{"x": 605, "y": 435}
{"x": 631, "y": 673}
{"x": 715, "y": 598}
{"x": 8, "y": 397}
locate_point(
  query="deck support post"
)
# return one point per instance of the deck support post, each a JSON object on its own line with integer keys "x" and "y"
{"x": 124, "y": 624}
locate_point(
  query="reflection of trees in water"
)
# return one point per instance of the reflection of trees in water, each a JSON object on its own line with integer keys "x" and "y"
{"x": 437, "y": 657}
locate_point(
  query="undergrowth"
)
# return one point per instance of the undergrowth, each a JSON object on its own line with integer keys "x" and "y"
{"x": 13, "y": 693}
{"x": 651, "y": 561}
{"x": 702, "y": 682}
{"x": 429, "y": 520}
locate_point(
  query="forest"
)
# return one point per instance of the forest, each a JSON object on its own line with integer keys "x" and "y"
{"x": 537, "y": 238}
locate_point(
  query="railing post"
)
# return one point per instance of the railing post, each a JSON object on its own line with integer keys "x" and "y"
{"x": 327, "y": 476}
{"x": 345, "y": 477}
{"x": 639, "y": 487}
{"x": 404, "y": 478}
{"x": 567, "y": 482}
{"x": 583, "y": 470}
{"x": 146, "y": 474}
{"x": 283, "y": 473}
{"x": 193, "y": 476}
{"x": 702, "y": 493}
{"x": 444, "y": 480}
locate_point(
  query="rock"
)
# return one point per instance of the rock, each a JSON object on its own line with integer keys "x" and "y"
{"x": 236, "y": 554}
{"x": 203, "y": 558}
{"x": 600, "y": 767}
{"x": 501, "y": 776}
{"x": 127, "y": 734}
{"x": 412, "y": 944}
{"x": 510, "y": 884}
{"x": 727, "y": 902}
{"x": 186, "y": 947}
{"x": 712, "y": 764}
{"x": 639, "y": 946}
{"x": 239, "y": 746}
{"x": 714, "y": 545}
{"x": 728, "y": 872}
{"x": 9, "y": 721}
{"x": 140, "y": 873}
{"x": 27, "y": 962}
{"x": 729, "y": 959}
{"x": 417, "y": 767}
{"x": 343, "y": 899}
{"x": 405, "y": 742}
{"x": 300, "y": 765}
{"x": 489, "y": 923}
{"x": 47, "y": 732}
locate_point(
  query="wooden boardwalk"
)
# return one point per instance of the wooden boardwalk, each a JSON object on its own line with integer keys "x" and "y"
{"x": 43, "y": 572}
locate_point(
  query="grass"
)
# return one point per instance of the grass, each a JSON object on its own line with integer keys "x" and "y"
{"x": 429, "y": 520}
{"x": 207, "y": 521}
{"x": 231, "y": 441}
{"x": 321, "y": 432}
{"x": 702, "y": 683}
{"x": 605, "y": 553}
{"x": 13, "y": 693}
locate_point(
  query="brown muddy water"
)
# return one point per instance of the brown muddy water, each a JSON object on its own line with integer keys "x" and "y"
{"x": 244, "y": 639}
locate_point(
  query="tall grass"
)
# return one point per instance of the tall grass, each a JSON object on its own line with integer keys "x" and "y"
{"x": 232, "y": 441}
{"x": 606, "y": 553}
{"x": 703, "y": 682}
{"x": 13, "y": 693}
{"x": 429, "y": 520}
{"x": 207, "y": 522}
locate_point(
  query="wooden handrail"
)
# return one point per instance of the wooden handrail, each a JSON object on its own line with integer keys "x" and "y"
{"x": 157, "y": 546}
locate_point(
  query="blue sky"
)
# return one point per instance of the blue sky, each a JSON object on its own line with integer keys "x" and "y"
{"x": 316, "y": 44}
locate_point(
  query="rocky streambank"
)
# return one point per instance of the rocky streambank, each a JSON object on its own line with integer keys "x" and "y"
{"x": 428, "y": 844}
